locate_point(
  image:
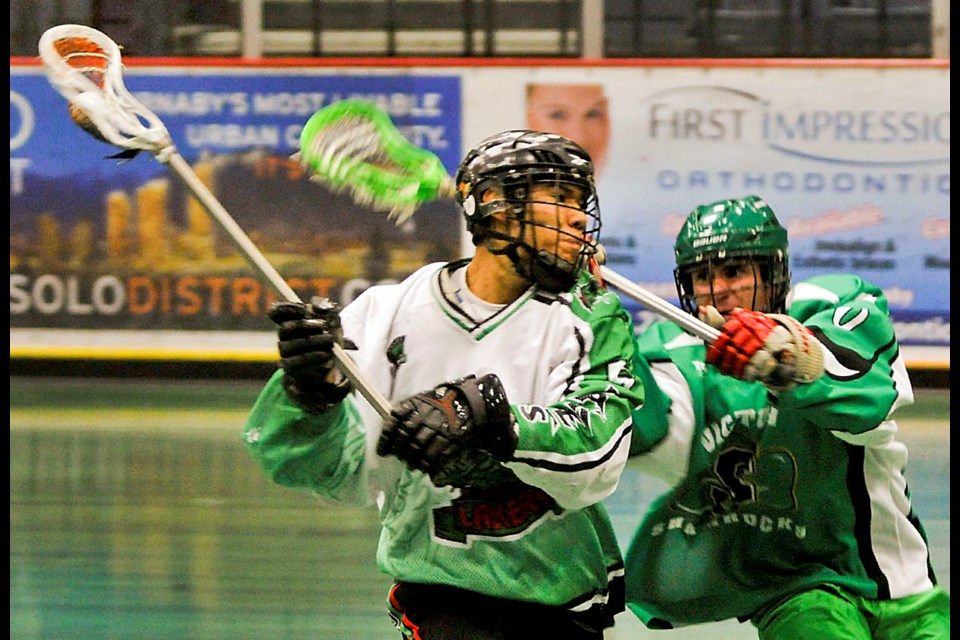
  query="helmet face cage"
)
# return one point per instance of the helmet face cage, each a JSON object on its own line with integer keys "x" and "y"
{"x": 770, "y": 272}
{"x": 512, "y": 165}
{"x": 741, "y": 229}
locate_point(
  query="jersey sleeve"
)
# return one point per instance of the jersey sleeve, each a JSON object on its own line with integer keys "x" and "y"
{"x": 865, "y": 378}
{"x": 322, "y": 453}
{"x": 331, "y": 454}
{"x": 663, "y": 426}
{"x": 575, "y": 449}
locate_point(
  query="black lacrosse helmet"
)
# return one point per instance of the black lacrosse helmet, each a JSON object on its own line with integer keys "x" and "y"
{"x": 511, "y": 162}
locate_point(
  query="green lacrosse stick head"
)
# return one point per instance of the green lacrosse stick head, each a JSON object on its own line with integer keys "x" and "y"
{"x": 353, "y": 146}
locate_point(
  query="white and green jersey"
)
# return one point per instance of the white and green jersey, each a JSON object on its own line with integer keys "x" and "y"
{"x": 530, "y": 529}
{"x": 780, "y": 493}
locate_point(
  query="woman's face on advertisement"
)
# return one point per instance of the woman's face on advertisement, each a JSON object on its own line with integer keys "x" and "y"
{"x": 575, "y": 111}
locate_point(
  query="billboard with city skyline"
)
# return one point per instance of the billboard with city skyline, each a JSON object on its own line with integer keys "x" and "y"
{"x": 105, "y": 243}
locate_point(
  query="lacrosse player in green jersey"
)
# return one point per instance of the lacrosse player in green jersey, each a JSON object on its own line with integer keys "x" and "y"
{"x": 790, "y": 508}
{"x": 511, "y": 381}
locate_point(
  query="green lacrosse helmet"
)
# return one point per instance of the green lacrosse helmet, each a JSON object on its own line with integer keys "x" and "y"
{"x": 740, "y": 228}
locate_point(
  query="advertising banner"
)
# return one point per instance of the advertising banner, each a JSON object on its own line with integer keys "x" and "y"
{"x": 854, "y": 160}
{"x": 112, "y": 243}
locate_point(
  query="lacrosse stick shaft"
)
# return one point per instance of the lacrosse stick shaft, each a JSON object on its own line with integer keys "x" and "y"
{"x": 84, "y": 66}
{"x": 268, "y": 272}
{"x": 373, "y": 158}
{"x": 658, "y": 305}
{"x": 228, "y": 224}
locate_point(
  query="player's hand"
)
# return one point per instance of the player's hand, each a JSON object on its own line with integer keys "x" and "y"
{"x": 773, "y": 348}
{"x": 598, "y": 258}
{"x": 307, "y": 334}
{"x": 435, "y": 429}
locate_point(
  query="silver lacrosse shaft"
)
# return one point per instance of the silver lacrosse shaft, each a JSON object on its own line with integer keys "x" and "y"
{"x": 658, "y": 305}
{"x": 123, "y": 120}
{"x": 266, "y": 270}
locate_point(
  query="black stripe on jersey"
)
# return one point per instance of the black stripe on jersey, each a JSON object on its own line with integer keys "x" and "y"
{"x": 914, "y": 520}
{"x": 860, "y": 501}
{"x": 548, "y": 297}
{"x": 848, "y": 357}
{"x": 581, "y": 352}
{"x": 601, "y": 612}
{"x": 448, "y": 269}
{"x": 570, "y": 468}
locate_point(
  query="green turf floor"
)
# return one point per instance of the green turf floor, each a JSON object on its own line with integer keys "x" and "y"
{"x": 136, "y": 514}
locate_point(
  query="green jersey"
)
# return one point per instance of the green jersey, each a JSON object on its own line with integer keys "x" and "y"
{"x": 532, "y": 528}
{"x": 780, "y": 491}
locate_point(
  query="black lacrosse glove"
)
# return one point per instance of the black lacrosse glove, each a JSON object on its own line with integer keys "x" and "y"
{"x": 307, "y": 335}
{"x": 431, "y": 431}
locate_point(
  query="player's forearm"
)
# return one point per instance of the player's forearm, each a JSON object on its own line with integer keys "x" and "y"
{"x": 864, "y": 377}
{"x": 576, "y": 450}
{"x": 320, "y": 452}
{"x": 663, "y": 427}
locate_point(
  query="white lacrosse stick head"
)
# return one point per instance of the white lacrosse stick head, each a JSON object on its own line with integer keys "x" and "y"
{"x": 85, "y": 67}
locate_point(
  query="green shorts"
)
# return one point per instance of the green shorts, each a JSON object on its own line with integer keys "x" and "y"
{"x": 828, "y": 612}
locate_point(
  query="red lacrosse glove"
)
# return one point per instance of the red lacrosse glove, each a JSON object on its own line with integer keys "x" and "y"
{"x": 775, "y": 349}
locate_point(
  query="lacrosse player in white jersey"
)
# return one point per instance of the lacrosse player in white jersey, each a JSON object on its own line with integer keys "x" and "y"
{"x": 509, "y": 373}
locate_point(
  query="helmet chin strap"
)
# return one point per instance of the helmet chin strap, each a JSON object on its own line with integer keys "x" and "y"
{"x": 552, "y": 272}
{"x": 544, "y": 268}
